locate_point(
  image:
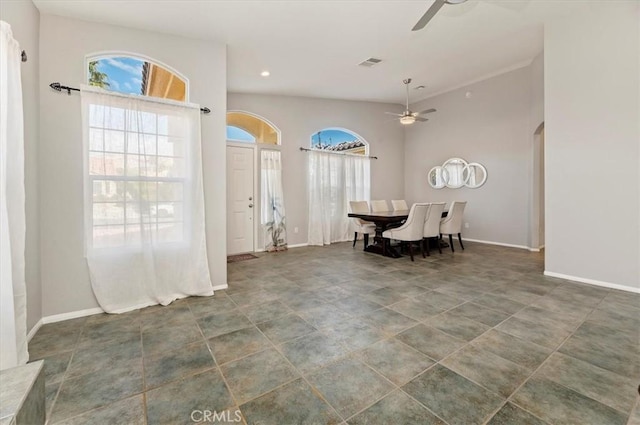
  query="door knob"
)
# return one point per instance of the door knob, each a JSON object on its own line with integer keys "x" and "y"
{"x": 250, "y": 205}
{"x": 251, "y": 198}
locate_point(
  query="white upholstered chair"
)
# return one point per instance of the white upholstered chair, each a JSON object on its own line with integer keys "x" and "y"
{"x": 379, "y": 206}
{"x": 432, "y": 225}
{"x": 399, "y": 204}
{"x": 412, "y": 230}
{"x": 361, "y": 226}
{"x": 452, "y": 223}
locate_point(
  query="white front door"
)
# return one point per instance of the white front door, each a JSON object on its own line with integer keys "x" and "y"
{"x": 240, "y": 200}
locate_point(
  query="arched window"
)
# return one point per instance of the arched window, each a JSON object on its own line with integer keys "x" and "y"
{"x": 245, "y": 127}
{"x": 136, "y": 75}
{"x": 339, "y": 140}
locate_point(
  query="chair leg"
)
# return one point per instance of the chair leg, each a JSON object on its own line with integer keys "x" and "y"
{"x": 422, "y": 248}
{"x": 366, "y": 240}
{"x": 451, "y": 243}
{"x": 439, "y": 246}
{"x": 411, "y": 250}
{"x": 384, "y": 247}
{"x": 460, "y": 240}
{"x": 426, "y": 242}
{"x": 355, "y": 238}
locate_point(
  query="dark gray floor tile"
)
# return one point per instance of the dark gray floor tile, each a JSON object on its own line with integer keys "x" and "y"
{"x": 174, "y": 403}
{"x": 257, "y": 374}
{"x": 356, "y": 305}
{"x": 129, "y": 411}
{"x": 599, "y": 384}
{"x": 557, "y": 404}
{"x": 220, "y": 324}
{"x": 167, "y": 316}
{"x": 312, "y": 351}
{"x": 95, "y": 358}
{"x": 603, "y": 354}
{"x": 55, "y": 366}
{"x": 47, "y": 343}
{"x": 171, "y": 365}
{"x": 247, "y": 298}
{"x": 559, "y": 319}
{"x": 457, "y": 326}
{"x": 634, "y": 419}
{"x": 396, "y": 408}
{"x": 97, "y": 389}
{"x": 266, "y": 311}
{"x": 499, "y": 303}
{"x": 430, "y": 341}
{"x": 517, "y": 350}
{"x": 416, "y": 309}
{"x": 354, "y": 333}
{"x": 294, "y": 403}
{"x": 395, "y": 360}
{"x": 452, "y": 397}
{"x": 286, "y": 328}
{"x": 349, "y": 385}
{"x": 50, "y": 393}
{"x": 492, "y": 372}
{"x": 513, "y": 415}
{"x": 160, "y": 339}
{"x": 388, "y": 321}
{"x": 238, "y": 344}
{"x": 324, "y": 315}
{"x": 534, "y": 332}
{"x": 304, "y": 301}
{"x": 622, "y": 337}
{"x": 218, "y": 303}
{"x": 384, "y": 296}
{"x": 441, "y": 300}
{"x": 480, "y": 314}
{"x": 334, "y": 293}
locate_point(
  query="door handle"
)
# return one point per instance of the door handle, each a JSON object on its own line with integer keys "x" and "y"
{"x": 250, "y": 205}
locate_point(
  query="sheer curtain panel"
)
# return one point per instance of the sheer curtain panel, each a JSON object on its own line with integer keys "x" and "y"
{"x": 144, "y": 200}
{"x": 272, "y": 216}
{"x": 13, "y": 294}
{"x": 334, "y": 180}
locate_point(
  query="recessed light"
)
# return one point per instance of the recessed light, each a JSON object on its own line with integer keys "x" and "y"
{"x": 265, "y": 73}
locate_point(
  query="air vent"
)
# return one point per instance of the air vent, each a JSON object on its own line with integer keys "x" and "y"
{"x": 370, "y": 62}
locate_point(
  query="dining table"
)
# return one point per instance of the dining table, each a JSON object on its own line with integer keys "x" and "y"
{"x": 383, "y": 220}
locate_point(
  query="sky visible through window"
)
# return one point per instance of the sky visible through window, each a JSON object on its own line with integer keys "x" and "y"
{"x": 123, "y": 75}
{"x": 236, "y": 133}
{"x": 331, "y": 137}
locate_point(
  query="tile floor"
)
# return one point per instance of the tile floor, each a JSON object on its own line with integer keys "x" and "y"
{"x": 334, "y": 335}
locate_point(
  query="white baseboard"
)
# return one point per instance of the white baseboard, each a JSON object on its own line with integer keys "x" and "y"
{"x": 34, "y": 329}
{"x": 71, "y": 315}
{"x": 593, "y": 282}
{"x": 220, "y": 287}
{"x": 502, "y": 244}
{"x": 298, "y": 245}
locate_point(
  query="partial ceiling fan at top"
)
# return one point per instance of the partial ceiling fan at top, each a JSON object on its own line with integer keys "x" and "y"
{"x": 408, "y": 117}
{"x": 516, "y": 5}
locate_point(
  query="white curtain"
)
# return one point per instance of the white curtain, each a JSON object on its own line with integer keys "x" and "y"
{"x": 272, "y": 213}
{"x": 334, "y": 180}
{"x": 144, "y": 200}
{"x": 13, "y": 297}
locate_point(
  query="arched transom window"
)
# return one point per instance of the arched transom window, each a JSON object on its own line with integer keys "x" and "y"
{"x": 244, "y": 127}
{"x": 134, "y": 75}
{"x": 339, "y": 140}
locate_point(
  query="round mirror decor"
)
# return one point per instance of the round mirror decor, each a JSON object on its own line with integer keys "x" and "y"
{"x": 438, "y": 177}
{"x": 454, "y": 167}
{"x": 474, "y": 175}
{"x": 456, "y": 173}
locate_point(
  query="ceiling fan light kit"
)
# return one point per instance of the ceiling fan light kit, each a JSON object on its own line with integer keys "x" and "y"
{"x": 407, "y": 119}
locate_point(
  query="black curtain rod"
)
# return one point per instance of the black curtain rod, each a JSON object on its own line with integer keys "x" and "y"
{"x": 23, "y": 56}
{"x": 333, "y": 152}
{"x": 59, "y": 87}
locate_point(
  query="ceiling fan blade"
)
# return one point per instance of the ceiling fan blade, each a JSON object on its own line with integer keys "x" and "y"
{"x": 428, "y": 15}
{"x": 421, "y": 119}
{"x": 426, "y": 111}
{"x": 393, "y": 113}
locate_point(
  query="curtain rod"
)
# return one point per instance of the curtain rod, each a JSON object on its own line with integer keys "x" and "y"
{"x": 336, "y": 153}
{"x": 59, "y": 87}
{"x": 23, "y": 56}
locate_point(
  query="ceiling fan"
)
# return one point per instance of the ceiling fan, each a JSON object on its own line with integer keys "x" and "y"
{"x": 408, "y": 117}
{"x": 515, "y": 5}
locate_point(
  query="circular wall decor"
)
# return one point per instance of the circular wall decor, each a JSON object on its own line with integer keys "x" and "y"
{"x": 438, "y": 177}
{"x": 456, "y": 173}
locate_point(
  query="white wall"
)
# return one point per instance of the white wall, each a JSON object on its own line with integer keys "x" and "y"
{"x": 64, "y": 44}
{"x": 592, "y": 139}
{"x": 536, "y": 126}
{"x": 298, "y": 118}
{"x": 492, "y": 127}
{"x": 24, "y": 19}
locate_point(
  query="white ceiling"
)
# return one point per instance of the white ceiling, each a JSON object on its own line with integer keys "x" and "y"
{"x": 312, "y": 47}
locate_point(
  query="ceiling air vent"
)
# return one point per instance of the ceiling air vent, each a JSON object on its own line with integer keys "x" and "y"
{"x": 370, "y": 62}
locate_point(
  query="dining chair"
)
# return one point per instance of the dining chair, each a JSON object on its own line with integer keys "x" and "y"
{"x": 379, "y": 206}
{"x": 432, "y": 225}
{"x": 411, "y": 231}
{"x": 359, "y": 225}
{"x": 399, "y": 204}
{"x": 452, "y": 223}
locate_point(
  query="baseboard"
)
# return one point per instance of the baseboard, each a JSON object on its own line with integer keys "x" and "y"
{"x": 298, "y": 245}
{"x": 71, "y": 315}
{"x": 220, "y": 287}
{"x": 501, "y": 244}
{"x": 593, "y": 282}
{"x": 34, "y": 329}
